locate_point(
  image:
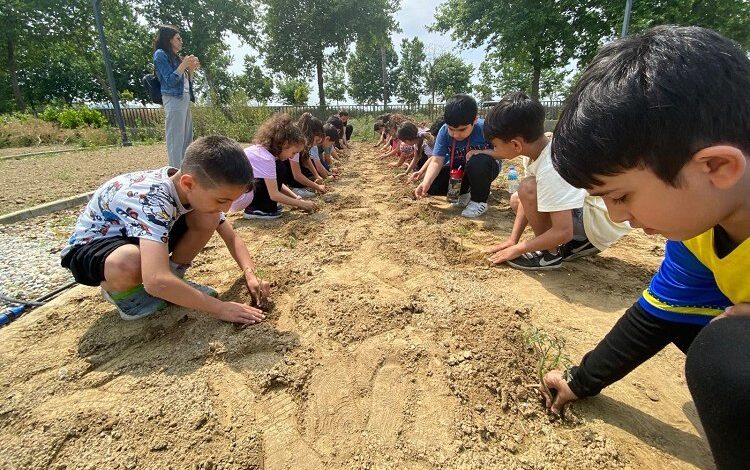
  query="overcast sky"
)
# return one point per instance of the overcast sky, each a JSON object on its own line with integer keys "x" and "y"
{"x": 414, "y": 16}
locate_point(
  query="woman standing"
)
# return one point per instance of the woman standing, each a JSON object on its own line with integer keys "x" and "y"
{"x": 175, "y": 75}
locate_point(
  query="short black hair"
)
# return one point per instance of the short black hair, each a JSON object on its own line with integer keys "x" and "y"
{"x": 460, "y": 110}
{"x": 336, "y": 122}
{"x": 651, "y": 101}
{"x": 516, "y": 115}
{"x": 343, "y": 113}
{"x": 407, "y": 131}
{"x": 215, "y": 161}
{"x": 330, "y": 131}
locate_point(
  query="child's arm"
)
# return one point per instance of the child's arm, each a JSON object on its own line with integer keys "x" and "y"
{"x": 389, "y": 154}
{"x": 311, "y": 167}
{"x": 491, "y": 152}
{"x": 321, "y": 169}
{"x": 412, "y": 164}
{"x": 519, "y": 224}
{"x": 434, "y": 165}
{"x": 560, "y": 232}
{"x": 159, "y": 281}
{"x": 401, "y": 161}
{"x": 286, "y": 196}
{"x": 303, "y": 180}
{"x": 237, "y": 248}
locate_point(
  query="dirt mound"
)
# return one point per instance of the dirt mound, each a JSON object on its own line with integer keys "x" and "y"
{"x": 389, "y": 343}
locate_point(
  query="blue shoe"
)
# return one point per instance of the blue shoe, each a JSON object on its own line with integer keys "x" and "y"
{"x": 180, "y": 269}
{"x": 134, "y": 303}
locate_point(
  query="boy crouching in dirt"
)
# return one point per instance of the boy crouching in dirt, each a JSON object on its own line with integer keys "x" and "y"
{"x": 140, "y": 232}
{"x": 659, "y": 126}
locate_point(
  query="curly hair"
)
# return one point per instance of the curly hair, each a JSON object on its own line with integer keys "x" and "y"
{"x": 278, "y": 130}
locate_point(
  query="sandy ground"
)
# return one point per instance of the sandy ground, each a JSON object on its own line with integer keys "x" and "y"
{"x": 388, "y": 344}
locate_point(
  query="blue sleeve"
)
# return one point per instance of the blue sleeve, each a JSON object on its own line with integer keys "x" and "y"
{"x": 442, "y": 141}
{"x": 165, "y": 71}
{"x": 683, "y": 290}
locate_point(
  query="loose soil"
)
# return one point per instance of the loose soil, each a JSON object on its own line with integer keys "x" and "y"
{"x": 11, "y": 151}
{"x": 389, "y": 343}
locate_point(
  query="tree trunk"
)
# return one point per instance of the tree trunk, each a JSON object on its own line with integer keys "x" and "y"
{"x": 13, "y": 72}
{"x": 535, "y": 82}
{"x": 385, "y": 77}
{"x": 321, "y": 90}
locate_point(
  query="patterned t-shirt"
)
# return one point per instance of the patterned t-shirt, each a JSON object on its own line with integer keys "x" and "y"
{"x": 143, "y": 204}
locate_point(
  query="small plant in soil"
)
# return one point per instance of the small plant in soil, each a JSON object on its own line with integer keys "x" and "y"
{"x": 550, "y": 354}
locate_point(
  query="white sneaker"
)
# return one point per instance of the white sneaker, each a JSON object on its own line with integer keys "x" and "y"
{"x": 302, "y": 192}
{"x": 463, "y": 200}
{"x": 474, "y": 209}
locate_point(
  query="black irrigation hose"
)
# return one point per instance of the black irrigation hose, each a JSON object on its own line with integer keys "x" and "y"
{"x": 41, "y": 300}
{"x": 12, "y": 300}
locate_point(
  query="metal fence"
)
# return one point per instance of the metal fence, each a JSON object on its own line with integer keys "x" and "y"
{"x": 153, "y": 117}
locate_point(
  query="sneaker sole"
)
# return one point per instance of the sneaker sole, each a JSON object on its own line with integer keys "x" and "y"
{"x": 260, "y": 217}
{"x": 535, "y": 268}
{"x": 473, "y": 216}
{"x": 581, "y": 254}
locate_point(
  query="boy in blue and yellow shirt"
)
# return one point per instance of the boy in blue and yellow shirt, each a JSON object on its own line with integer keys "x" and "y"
{"x": 659, "y": 126}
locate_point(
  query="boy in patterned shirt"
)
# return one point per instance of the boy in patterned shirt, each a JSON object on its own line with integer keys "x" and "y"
{"x": 140, "y": 232}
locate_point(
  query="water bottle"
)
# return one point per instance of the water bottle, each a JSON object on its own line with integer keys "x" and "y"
{"x": 454, "y": 184}
{"x": 512, "y": 180}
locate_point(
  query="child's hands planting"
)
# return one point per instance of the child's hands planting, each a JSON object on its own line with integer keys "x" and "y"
{"x": 556, "y": 391}
{"x": 239, "y": 313}
{"x": 320, "y": 189}
{"x": 309, "y": 206}
{"x": 259, "y": 290}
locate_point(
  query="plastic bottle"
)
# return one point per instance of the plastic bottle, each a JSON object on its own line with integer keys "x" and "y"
{"x": 454, "y": 184}
{"x": 512, "y": 180}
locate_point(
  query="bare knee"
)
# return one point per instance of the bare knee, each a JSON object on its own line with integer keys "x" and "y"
{"x": 122, "y": 268}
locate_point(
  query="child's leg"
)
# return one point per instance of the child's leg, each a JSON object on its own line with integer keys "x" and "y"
{"x": 717, "y": 370}
{"x": 122, "y": 269}
{"x": 200, "y": 228}
{"x": 440, "y": 185}
{"x": 481, "y": 170}
{"x": 262, "y": 200}
{"x": 514, "y": 202}
{"x": 540, "y": 221}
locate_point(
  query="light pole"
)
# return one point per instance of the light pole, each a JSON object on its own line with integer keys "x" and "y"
{"x": 110, "y": 74}
{"x": 626, "y": 21}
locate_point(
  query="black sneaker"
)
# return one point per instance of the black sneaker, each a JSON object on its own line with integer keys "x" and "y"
{"x": 537, "y": 261}
{"x": 256, "y": 214}
{"x": 575, "y": 249}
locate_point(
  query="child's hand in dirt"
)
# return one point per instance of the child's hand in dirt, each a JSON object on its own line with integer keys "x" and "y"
{"x": 393, "y": 164}
{"x": 240, "y": 313}
{"x": 309, "y": 206}
{"x": 421, "y": 191}
{"x": 505, "y": 254}
{"x": 259, "y": 290}
{"x": 554, "y": 381}
{"x": 414, "y": 177}
{"x": 739, "y": 310}
{"x": 319, "y": 180}
{"x": 321, "y": 189}
{"x": 500, "y": 246}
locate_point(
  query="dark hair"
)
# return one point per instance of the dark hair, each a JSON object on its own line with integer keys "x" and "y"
{"x": 277, "y": 131}
{"x": 516, "y": 115}
{"x": 310, "y": 126}
{"x": 343, "y": 113}
{"x": 652, "y": 100}
{"x": 384, "y": 118}
{"x": 460, "y": 110}
{"x": 162, "y": 38}
{"x": 436, "y": 126}
{"x": 378, "y": 126}
{"x": 215, "y": 161}
{"x": 336, "y": 122}
{"x": 407, "y": 131}
{"x": 331, "y": 132}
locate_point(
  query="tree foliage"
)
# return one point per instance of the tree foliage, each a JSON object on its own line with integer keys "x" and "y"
{"x": 448, "y": 75}
{"x": 293, "y": 91}
{"x": 365, "y": 70}
{"x": 411, "y": 70}
{"x": 254, "y": 82}
{"x": 335, "y": 79}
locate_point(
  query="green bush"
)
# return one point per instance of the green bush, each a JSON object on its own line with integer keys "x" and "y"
{"x": 73, "y": 117}
{"x": 236, "y": 120}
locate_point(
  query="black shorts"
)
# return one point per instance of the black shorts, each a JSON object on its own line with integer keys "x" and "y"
{"x": 86, "y": 262}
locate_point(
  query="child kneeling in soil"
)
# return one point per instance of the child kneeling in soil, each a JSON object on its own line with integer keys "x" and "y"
{"x": 277, "y": 140}
{"x": 140, "y": 232}
{"x": 301, "y": 175}
{"x": 567, "y": 223}
{"x": 659, "y": 126}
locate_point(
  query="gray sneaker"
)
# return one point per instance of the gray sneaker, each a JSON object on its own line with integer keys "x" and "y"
{"x": 463, "y": 200}
{"x": 135, "y": 303}
{"x": 181, "y": 269}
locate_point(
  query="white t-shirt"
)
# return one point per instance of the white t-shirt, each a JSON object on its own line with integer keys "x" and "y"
{"x": 555, "y": 194}
{"x": 186, "y": 79}
{"x": 314, "y": 153}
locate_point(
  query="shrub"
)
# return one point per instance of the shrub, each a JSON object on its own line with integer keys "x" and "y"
{"x": 73, "y": 117}
{"x": 28, "y": 131}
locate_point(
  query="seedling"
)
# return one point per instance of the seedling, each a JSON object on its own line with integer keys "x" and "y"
{"x": 550, "y": 352}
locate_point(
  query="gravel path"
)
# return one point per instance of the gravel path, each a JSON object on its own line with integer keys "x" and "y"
{"x": 30, "y": 250}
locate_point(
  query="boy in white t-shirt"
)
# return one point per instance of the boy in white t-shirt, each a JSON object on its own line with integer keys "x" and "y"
{"x": 567, "y": 222}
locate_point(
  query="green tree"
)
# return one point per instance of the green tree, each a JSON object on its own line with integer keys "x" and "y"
{"x": 335, "y": 79}
{"x": 293, "y": 91}
{"x": 365, "y": 70}
{"x": 411, "y": 70}
{"x": 448, "y": 75}
{"x": 256, "y": 85}
{"x": 296, "y": 38}
{"x": 517, "y": 75}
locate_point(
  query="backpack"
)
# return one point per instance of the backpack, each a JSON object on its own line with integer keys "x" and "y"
{"x": 153, "y": 87}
